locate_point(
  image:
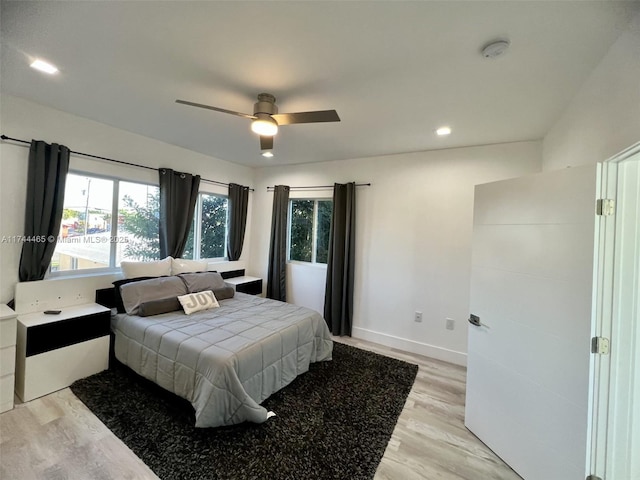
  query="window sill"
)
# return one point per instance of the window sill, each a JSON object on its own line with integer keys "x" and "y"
{"x": 212, "y": 264}
{"x": 307, "y": 264}
{"x": 82, "y": 274}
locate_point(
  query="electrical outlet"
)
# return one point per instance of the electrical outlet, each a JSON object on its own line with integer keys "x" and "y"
{"x": 451, "y": 324}
{"x": 418, "y": 317}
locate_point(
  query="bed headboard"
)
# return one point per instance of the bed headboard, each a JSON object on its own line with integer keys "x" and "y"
{"x": 106, "y": 297}
{"x": 59, "y": 292}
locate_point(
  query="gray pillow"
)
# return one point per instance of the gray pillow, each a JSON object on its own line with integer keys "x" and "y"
{"x": 135, "y": 294}
{"x": 224, "y": 293}
{"x": 199, "y": 282}
{"x": 156, "y": 307}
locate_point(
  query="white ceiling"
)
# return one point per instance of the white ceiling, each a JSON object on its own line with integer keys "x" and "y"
{"x": 394, "y": 70}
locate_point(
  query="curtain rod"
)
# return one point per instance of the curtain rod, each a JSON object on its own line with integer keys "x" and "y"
{"x": 215, "y": 182}
{"x": 318, "y": 187}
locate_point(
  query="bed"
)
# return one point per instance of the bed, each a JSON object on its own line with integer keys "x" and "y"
{"x": 226, "y": 360}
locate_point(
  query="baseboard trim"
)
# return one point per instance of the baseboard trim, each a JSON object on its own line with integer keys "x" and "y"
{"x": 444, "y": 354}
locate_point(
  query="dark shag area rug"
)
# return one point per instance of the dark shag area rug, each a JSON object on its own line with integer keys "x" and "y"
{"x": 333, "y": 422}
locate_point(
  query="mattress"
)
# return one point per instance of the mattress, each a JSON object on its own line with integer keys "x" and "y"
{"x": 225, "y": 361}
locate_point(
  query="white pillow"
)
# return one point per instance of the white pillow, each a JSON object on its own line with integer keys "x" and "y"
{"x": 180, "y": 265}
{"x": 159, "y": 268}
{"x": 194, "y": 302}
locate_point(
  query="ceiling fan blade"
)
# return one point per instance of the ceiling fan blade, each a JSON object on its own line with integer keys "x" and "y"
{"x": 209, "y": 107}
{"x": 266, "y": 143}
{"x": 306, "y": 117}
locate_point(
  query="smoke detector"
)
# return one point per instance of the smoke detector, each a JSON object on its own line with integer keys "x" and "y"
{"x": 495, "y": 49}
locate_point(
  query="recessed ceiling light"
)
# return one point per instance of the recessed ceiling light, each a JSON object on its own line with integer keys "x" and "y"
{"x": 443, "y": 131}
{"x": 44, "y": 67}
{"x": 267, "y": 154}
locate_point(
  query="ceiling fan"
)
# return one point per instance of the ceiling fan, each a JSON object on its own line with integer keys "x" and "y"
{"x": 266, "y": 119}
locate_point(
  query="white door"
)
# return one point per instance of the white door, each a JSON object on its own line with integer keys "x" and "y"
{"x": 531, "y": 287}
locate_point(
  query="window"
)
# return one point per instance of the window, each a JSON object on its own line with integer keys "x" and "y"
{"x": 208, "y": 235}
{"x": 138, "y": 215}
{"x": 309, "y": 225}
{"x": 91, "y": 236}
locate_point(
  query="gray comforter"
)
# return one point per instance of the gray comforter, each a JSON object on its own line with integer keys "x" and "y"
{"x": 227, "y": 360}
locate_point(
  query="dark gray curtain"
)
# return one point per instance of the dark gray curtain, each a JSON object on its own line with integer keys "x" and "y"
{"x": 238, "y": 202}
{"x": 276, "y": 277}
{"x": 178, "y": 196}
{"x": 46, "y": 179}
{"x": 338, "y": 299}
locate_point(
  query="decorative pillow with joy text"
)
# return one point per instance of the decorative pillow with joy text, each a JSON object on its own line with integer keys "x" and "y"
{"x": 195, "y": 302}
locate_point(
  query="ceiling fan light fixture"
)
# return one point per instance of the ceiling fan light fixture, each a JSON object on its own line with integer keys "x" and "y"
{"x": 264, "y": 125}
{"x": 43, "y": 66}
{"x": 266, "y": 119}
{"x": 267, "y": 154}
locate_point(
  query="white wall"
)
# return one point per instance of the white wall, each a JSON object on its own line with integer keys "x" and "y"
{"x": 604, "y": 117}
{"x": 25, "y": 120}
{"x": 413, "y": 240}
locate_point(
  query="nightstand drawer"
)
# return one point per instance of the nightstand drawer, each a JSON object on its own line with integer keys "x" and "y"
{"x": 8, "y": 335}
{"x": 7, "y": 360}
{"x": 54, "y": 335}
{"x": 6, "y": 393}
{"x": 7, "y": 332}
{"x": 252, "y": 288}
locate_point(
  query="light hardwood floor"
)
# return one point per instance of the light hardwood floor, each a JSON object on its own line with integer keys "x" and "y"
{"x": 57, "y": 437}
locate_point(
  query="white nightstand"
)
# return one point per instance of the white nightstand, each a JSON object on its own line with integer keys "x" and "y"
{"x": 7, "y": 356}
{"x": 53, "y": 351}
{"x": 246, "y": 284}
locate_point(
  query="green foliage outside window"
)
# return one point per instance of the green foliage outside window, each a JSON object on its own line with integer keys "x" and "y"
{"x": 214, "y": 227}
{"x": 68, "y": 213}
{"x": 141, "y": 221}
{"x": 301, "y": 243}
{"x": 303, "y": 240}
{"x": 325, "y": 210}
{"x": 213, "y": 231}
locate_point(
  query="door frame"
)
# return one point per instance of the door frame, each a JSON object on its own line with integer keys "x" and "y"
{"x": 605, "y": 398}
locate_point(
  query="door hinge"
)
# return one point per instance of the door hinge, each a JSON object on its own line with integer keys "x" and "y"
{"x": 593, "y": 477}
{"x": 605, "y": 207}
{"x": 600, "y": 345}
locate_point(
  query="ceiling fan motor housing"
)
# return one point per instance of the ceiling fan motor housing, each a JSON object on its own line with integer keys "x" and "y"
{"x": 266, "y": 104}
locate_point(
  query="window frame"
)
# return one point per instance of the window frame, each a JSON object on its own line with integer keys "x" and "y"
{"x": 314, "y": 230}
{"x": 113, "y": 246}
{"x": 112, "y": 268}
{"x": 197, "y": 228}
